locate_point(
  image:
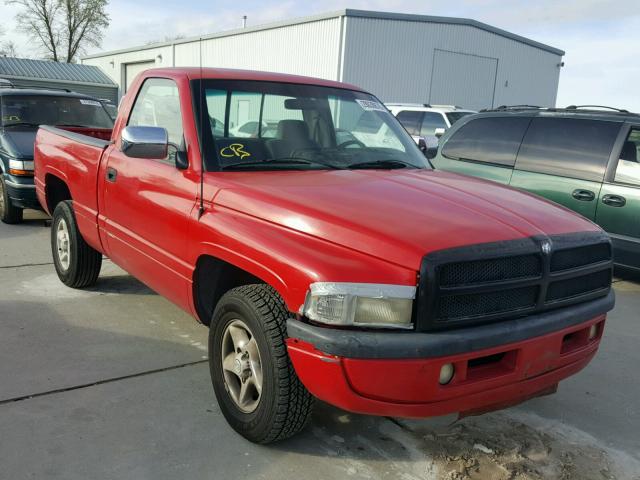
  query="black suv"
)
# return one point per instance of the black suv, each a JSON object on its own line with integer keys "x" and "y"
{"x": 22, "y": 110}
{"x": 583, "y": 157}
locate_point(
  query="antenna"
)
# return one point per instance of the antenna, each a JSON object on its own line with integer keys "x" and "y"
{"x": 201, "y": 210}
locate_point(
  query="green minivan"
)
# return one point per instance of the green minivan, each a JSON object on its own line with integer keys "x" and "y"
{"x": 583, "y": 158}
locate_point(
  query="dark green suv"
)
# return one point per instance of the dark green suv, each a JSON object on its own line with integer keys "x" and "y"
{"x": 583, "y": 158}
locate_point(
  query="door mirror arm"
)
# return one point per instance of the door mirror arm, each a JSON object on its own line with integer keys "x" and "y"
{"x": 429, "y": 147}
{"x": 182, "y": 162}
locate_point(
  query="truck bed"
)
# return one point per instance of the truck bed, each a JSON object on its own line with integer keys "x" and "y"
{"x": 72, "y": 155}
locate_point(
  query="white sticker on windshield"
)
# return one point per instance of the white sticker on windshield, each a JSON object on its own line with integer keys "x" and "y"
{"x": 89, "y": 102}
{"x": 371, "y": 105}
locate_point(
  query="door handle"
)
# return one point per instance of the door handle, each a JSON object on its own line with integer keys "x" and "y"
{"x": 112, "y": 173}
{"x": 614, "y": 200}
{"x": 583, "y": 195}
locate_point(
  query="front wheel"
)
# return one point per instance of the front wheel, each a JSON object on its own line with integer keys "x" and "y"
{"x": 8, "y": 212}
{"x": 254, "y": 381}
{"x": 77, "y": 264}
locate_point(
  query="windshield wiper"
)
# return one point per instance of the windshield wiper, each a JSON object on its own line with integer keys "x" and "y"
{"x": 383, "y": 164}
{"x": 277, "y": 161}
{"x": 21, "y": 124}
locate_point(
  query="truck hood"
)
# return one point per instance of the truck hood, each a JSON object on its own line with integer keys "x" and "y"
{"x": 18, "y": 142}
{"x": 395, "y": 215}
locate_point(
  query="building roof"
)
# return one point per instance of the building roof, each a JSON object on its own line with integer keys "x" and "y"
{"x": 58, "y": 72}
{"x": 346, "y": 13}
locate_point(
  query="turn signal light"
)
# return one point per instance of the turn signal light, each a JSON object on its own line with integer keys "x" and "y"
{"x": 21, "y": 173}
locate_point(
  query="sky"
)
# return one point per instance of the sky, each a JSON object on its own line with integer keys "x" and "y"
{"x": 601, "y": 38}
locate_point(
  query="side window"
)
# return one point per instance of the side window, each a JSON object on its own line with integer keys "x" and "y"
{"x": 430, "y": 122}
{"x": 489, "y": 140}
{"x": 274, "y": 111}
{"x": 244, "y": 113}
{"x": 251, "y": 115}
{"x": 217, "y": 106}
{"x": 568, "y": 147}
{"x": 628, "y": 169}
{"x": 158, "y": 105}
{"x": 411, "y": 121}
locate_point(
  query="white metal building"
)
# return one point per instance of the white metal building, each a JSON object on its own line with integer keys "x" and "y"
{"x": 398, "y": 57}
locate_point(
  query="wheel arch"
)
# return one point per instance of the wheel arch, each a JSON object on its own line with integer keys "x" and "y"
{"x": 56, "y": 191}
{"x": 214, "y": 276}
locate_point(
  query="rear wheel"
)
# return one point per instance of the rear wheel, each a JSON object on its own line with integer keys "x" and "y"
{"x": 8, "y": 212}
{"x": 77, "y": 264}
{"x": 254, "y": 381}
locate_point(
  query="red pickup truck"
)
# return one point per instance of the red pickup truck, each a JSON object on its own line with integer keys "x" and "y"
{"x": 299, "y": 221}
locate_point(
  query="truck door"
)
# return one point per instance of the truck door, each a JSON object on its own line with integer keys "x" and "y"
{"x": 564, "y": 160}
{"x": 619, "y": 207}
{"x": 147, "y": 203}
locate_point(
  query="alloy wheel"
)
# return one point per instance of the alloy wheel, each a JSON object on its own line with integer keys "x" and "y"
{"x": 241, "y": 366}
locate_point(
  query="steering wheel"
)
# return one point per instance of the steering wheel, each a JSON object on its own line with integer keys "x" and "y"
{"x": 352, "y": 142}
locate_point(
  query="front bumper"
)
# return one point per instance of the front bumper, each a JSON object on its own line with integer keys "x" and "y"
{"x": 22, "y": 192}
{"x": 486, "y": 378}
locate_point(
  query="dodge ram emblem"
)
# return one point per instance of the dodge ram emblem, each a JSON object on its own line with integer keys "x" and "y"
{"x": 546, "y": 248}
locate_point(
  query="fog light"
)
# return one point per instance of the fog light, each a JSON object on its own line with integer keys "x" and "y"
{"x": 593, "y": 331}
{"x": 446, "y": 373}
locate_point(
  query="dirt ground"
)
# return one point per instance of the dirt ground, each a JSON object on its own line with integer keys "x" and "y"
{"x": 510, "y": 445}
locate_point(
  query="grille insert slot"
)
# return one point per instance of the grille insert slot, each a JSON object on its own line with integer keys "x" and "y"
{"x": 575, "y": 286}
{"x": 579, "y": 256}
{"x": 490, "y": 270}
{"x": 461, "y": 307}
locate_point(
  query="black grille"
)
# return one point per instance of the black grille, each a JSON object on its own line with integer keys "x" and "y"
{"x": 478, "y": 304}
{"x": 575, "y": 257}
{"x": 578, "y": 285}
{"x": 465, "y": 273}
{"x": 496, "y": 281}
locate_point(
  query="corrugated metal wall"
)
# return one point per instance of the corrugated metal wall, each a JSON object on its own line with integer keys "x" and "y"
{"x": 395, "y": 58}
{"x": 310, "y": 48}
{"x": 392, "y": 58}
{"x": 450, "y": 76}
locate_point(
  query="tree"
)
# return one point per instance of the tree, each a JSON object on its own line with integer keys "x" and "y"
{"x": 85, "y": 23}
{"x": 8, "y": 49}
{"x": 63, "y": 28}
{"x": 38, "y": 20}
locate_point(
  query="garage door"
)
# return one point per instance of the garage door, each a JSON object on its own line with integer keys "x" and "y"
{"x": 133, "y": 69}
{"x": 465, "y": 80}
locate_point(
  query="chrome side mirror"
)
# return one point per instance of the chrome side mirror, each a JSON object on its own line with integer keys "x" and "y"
{"x": 439, "y": 132}
{"x": 145, "y": 142}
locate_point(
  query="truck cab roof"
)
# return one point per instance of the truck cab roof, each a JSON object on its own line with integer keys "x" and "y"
{"x": 195, "y": 73}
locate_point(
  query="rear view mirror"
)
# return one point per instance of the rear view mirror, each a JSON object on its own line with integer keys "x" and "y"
{"x": 428, "y": 146}
{"x": 145, "y": 142}
{"x": 439, "y": 132}
{"x": 300, "y": 104}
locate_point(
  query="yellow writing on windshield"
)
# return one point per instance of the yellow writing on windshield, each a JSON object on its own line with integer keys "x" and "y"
{"x": 234, "y": 150}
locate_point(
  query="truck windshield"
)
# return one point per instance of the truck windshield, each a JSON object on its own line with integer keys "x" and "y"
{"x": 272, "y": 126}
{"x": 34, "y": 110}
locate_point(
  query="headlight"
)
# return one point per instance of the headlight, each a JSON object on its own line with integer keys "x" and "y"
{"x": 20, "y": 167}
{"x": 360, "y": 304}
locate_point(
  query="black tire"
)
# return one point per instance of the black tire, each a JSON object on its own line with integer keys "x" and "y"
{"x": 285, "y": 405}
{"x": 8, "y": 212}
{"x": 83, "y": 266}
